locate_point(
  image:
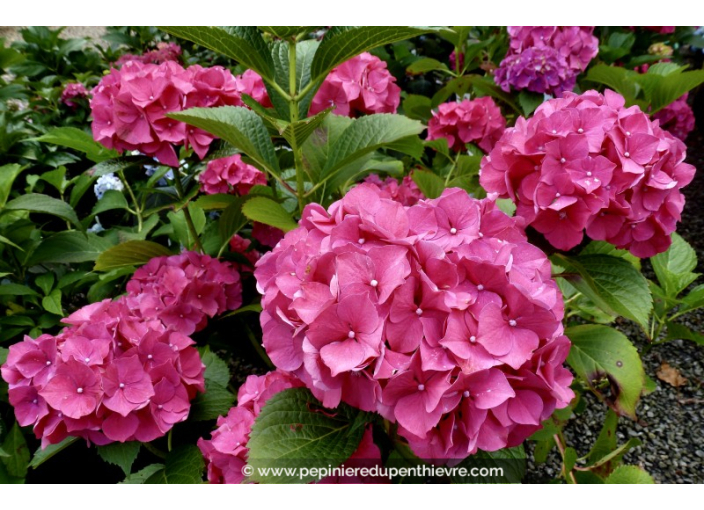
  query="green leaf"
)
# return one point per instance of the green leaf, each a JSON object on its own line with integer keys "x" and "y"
{"x": 342, "y": 43}
{"x": 425, "y": 65}
{"x": 417, "y": 107}
{"x": 35, "y": 202}
{"x": 676, "y": 331}
{"x": 243, "y": 44}
{"x": 79, "y": 140}
{"x": 231, "y": 221}
{"x": 693, "y": 300}
{"x": 122, "y": 455}
{"x": 607, "y": 440}
{"x": 15, "y": 445}
{"x": 616, "y": 78}
{"x": 570, "y": 459}
{"x": 267, "y": 211}
{"x": 69, "y": 248}
{"x": 674, "y": 267}
{"x": 143, "y": 475}
{"x": 629, "y": 475}
{"x": 238, "y": 126}
{"x": 216, "y": 201}
{"x": 295, "y": 430}
{"x": 215, "y": 369}
{"x": 5, "y": 240}
{"x": 612, "y": 283}
{"x": 367, "y": 134}
{"x": 131, "y": 253}
{"x": 14, "y": 289}
{"x": 511, "y": 460}
{"x": 184, "y": 465}
{"x": 112, "y": 199}
{"x": 529, "y": 101}
{"x": 52, "y": 303}
{"x": 430, "y": 184}
{"x": 216, "y": 401}
{"x": 41, "y": 456}
{"x": 604, "y": 248}
{"x": 296, "y": 133}
{"x": 601, "y": 353}
{"x": 8, "y": 174}
{"x": 662, "y": 90}
{"x": 286, "y": 32}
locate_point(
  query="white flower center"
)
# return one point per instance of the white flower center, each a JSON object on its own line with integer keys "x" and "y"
{"x": 512, "y": 323}
{"x": 79, "y": 390}
{"x": 421, "y": 387}
{"x": 373, "y": 283}
{"x": 453, "y": 231}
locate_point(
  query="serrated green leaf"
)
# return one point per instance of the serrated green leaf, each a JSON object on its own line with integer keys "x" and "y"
{"x": 529, "y": 101}
{"x": 35, "y": 202}
{"x": 184, "y": 465}
{"x": 131, "y": 253}
{"x": 243, "y": 44}
{"x": 143, "y": 475}
{"x": 216, "y": 401}
{"x": 216, "y": 201}
{"x": 607, "y": 440}
{"x": 269, "y": 212}
{"x": 512, "y": 461}
{"x": 425, "y": 65}
{"x": 342, "y": 43}
{"x": 604, "y": 248}
{"x": 79, "y": 140}
{"x": 216, "y": 370}
{"x": 41, "y": 456}
{"x": 238, "y": 126}
{"x": 69, "y": 248}
{"x": 122, "y": 455}
{"x": 295, "y": 430}
{"x": 600, "y": 352}
{"x": 612, "y": 283}
{"x": 629, "y": 475}
{"x": 693, "y": 300}
{"x": 674, "y": 267}
{"x": 15, "y": 289}
{"x": 8, "y": 174}
{"x": 16, "y": 446}
{"x": 286, "y": 32}
{"x": 430, "y": 184}
{"x": 677, "y": 331}
{"x": 417, "y": 107}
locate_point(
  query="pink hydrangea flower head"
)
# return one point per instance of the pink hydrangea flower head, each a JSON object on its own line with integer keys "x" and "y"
{"x": 677, "y": 118}
{"x": 164, "y": 52}
{"x": 112, "y": 375}
{"x": 130, "y": 104}
{"x": 360, "y": 86}
{"x": 586, "y": 164}
{"x": 73, "y": 91}
{"x": 406, "y": 192}
{"x": 252, "y": 84}
{"x": 477, "y": 121}
{"x": 546, "y": 59}
{"x": 391, "y": 308}
{"x": 230, "y": 175}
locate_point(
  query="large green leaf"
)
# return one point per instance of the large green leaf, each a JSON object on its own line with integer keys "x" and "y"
{"x": 295, "y": 430}
{"x": 216, "y": 401}
{"x": 510, "y": 462}
{"x": 184, "y": 465}
{"x": 238, "y": 126}
{"x": 267, "y": 211}
{"x": 8, "y": 174}
{"x": 112, "y": 199}
{"x": 286, "y": 32}
{"x": 36, "y": 202}
{"x": 679, "y": 331}
{"x": 243, "y": 44}
{"x": 619, "y": 79}
{"x": 430, "y": 184}
{"x": 367, "y": 134}
{"x": 79, "y": 140}
{"x": 131, "y": 253}
{"x": 629, "y": 475}
{"x": 42, "y": 455}
{"x": 69, "y": 247}
{"x": 602, "y": 354}
{"x": 216, "y": 369}
{"x": 674, "y": 267}
{"x": 144, "y": 474}
{"x": 122, "y": 455}
{"x": 342, "y": 43}
{"x": 612, "y": 283}
{"x": 18, "y": 454}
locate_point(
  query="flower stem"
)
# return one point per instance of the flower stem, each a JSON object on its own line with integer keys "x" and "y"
{"x": 156, "y": 451}
{"x": 137, "y": 208}
{"x": 295, "y": 115}
{"x": 187, "y": 214}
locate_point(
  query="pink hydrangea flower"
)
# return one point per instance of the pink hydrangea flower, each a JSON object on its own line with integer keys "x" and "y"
{"x": 677, "y": 118}
{"x": 230, "y": 175}
{"x": 586, "y": 164}
{"x": 252, "y": 84}
{"x": 164, "y": 52}
{"x": 129, "y": 107}
{"x": 546, "y": 59}
{"x": 360, "y": 86}
{"x": 478, "y": 121}
{"x": 184, "y": 290}
{"x": 406, "y": 192}
{"x": 419, "y": 313}
{"x": 73, "y": 91}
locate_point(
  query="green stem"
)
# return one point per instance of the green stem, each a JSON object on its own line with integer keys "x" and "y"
{"x": 559, "y": 441}
{"x": 137, "y": 208}
{"x": 295, "y": 115}
{"x": 258, "y": 347}
{"x": 187, "y": 214}
{"x": 449, "y": 174}
{"x": 168, "y": 440}
{"x": 156, "y": 451}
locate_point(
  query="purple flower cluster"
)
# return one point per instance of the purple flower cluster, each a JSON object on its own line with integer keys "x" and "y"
{"x": 546, "y": 59}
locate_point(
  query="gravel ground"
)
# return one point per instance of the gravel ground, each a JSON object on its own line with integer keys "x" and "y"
{"x": 670, "y": 420}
